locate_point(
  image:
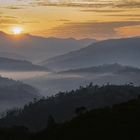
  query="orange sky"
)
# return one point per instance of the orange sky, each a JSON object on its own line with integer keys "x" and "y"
{"x": 99, "y": 19}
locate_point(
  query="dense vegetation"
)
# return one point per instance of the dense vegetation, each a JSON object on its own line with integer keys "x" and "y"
{"x": 118, "y": 122}
{"x": 63, "y": 105}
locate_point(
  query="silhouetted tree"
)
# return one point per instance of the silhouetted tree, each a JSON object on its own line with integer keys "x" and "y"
{"x": 80, "y": 110}
{"x": 51, "y": 122}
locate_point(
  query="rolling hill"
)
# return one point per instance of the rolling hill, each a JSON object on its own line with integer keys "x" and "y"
{"x": 36, "y": 48}
{"x": 117, "y": 122}
{"x": 62, "y": 106}
{"x": 115, "y": 73}
{"x": 7, "y": 64}
{"x": 11, "y": 55}
{"x": 15, "y": 93}
{"x": 106, "y": 68}
{"x": 123, "y": 51}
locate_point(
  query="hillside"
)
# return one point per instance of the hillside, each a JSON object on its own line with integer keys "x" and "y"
{"x": 62, "y": 106}
{"x": 117, "y": 122}
{"x": 11, "y": 55}
{"x": 36, "y": 48}
{"x": 7, "y": 64}
{"x": 123, "y": 51}
{"x": 15, "y": 93}
{"x": 115, "y": 73}
{"x": 106, "y": 68}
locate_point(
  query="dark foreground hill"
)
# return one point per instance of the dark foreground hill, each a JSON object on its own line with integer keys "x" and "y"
{"x": 119, "y": 122}
{"x": 62, "y": 106}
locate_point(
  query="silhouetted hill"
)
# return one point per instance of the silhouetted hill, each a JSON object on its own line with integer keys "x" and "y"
{"x": 8, "y": 64}
{"x": 117, "y": 123}
{"x": 62, "y": 106}
{"x": 15, "y": 93}
{"x": 37, "y": 48}
{"x": 123, "y": 51}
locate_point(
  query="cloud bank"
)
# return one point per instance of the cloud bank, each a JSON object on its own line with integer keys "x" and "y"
{"x": 92, "y": 29}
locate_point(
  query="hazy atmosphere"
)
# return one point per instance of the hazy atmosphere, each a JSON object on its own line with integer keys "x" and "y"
{"x": 69, "y": 69}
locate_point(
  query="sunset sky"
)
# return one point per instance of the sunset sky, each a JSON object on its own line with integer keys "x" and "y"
{"x": 100, "y": 19}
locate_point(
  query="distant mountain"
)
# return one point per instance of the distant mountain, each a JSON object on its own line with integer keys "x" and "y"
{"x": 123, "y": 51}
{"x": 63, "y": 105}
{"x": 37, "y": 48}
{"x": 106, "y": 68}
{"x": 15, "y": 94}
{"x": 7, "y": 64}
{"x": 13, "y": 56}
{"x": 66, "y": 80}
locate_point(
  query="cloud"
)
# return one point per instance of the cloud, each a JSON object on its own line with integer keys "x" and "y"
{"x": 14, "y": 7}
{"x": 71, "y": 3}
{"x": 89, "y": 3}
{"x": 8, "y": 20}
{"x": 91, "y": 29}
{"x": 126, "y": 15}
{"x": 102, "y": 10}
{"x": 129, "y": 4}
{"x": 64, "y": 20}
{"x": 131, "y": 17}
{"x": 30, "y": 22}
{"x": 17, "y": 4}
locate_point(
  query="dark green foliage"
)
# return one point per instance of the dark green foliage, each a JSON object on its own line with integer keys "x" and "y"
{"x": 117, "y": 122}
{"x": 63, "y": 105}
{"x": 15, "y": 133}
{"x": 80, "y": 110}
{"x": 121, "y": 122}
{"x": 51, "y": 122}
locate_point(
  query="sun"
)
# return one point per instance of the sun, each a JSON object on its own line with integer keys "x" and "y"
{"x": 17, "y": 30}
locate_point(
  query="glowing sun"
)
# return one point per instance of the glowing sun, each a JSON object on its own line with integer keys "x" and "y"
{"x": 17, "y": 30}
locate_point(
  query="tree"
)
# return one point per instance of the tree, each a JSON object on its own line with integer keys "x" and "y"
{"x": 80, "y": 110}
{"x": 51, "y": 122}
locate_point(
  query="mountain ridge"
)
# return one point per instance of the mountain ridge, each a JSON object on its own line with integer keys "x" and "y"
{"x": 15, "y": 93}
{"x": 37, "y": 48}
{"x": 103, "y": 69}
{"x": 8, "y": 64}
{"x": 124, "y": 51}
{"x": 62, "y": 106}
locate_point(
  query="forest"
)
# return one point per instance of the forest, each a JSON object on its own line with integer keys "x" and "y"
{"x": 115, "y": 120}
